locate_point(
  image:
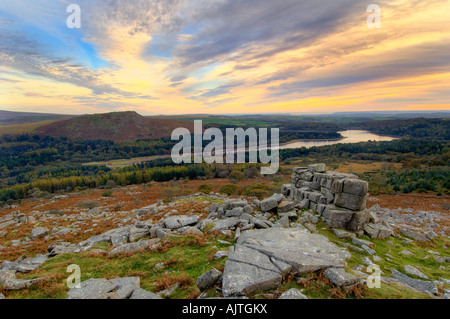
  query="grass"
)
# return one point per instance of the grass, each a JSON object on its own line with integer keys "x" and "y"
{"x": 121, "y": 163}
{"x": 200, "y": 199}
{"x": 185, "y": 259}
{"x": 22, "y": 128}
{"x": 389, "y": 250}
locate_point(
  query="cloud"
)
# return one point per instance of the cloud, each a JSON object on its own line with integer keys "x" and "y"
{"x": 226, "y": 55}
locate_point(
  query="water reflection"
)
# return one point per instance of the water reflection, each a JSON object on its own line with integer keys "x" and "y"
{"x": 350, "y": 136}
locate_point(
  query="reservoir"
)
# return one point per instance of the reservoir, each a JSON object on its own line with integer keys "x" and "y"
{"x": 350, "y": 136}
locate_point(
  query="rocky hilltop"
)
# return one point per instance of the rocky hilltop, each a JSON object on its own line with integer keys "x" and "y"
{"x": 317, "y": 234}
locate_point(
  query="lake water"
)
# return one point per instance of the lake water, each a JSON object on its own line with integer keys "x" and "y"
{"x": 351, "y": 136}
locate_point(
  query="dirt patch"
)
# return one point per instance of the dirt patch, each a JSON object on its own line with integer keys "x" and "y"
{"x": 415, "y": 201}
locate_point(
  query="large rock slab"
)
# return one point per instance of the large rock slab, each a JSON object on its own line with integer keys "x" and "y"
{"x": 268, "y": 204}
{"x": 226, "y": 223}
{"x": 306, "y": 252}
{"x": 175, "y": 222}
{"x": 242, "y": 278}
{"x": 60, "y": 248}
{"x": 30, "y": 264}
{"x": 93, "y": 289}
{"x": 411, "y": 270}
{"x": 132, "y": 248}
{"x": 261, "y": 257}
{"x": 417, "y": 284}
{"x": 94, "y": 240}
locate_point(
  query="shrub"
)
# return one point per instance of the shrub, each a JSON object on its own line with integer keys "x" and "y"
{"x": 259, "y": 190}
{"x": 205, "y": 188}
{"x": 107, "y": 194}
{"x": 87, "y": 203}
{"x": 229, "y": 189}
{"x": 251, "y": 172}
{"x": 110, "y": 184}
{"x": 236, "y": 176}
{"x": 171, "y": 192}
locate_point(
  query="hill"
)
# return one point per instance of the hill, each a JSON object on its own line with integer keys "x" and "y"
{"x": 14, "y": 118}
{"x": 416, "y": 127}
{"x": 117, "y": 126}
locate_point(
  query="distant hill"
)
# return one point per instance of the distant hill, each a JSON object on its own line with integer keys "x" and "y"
{"x": 118, "y": 126}
{"x": 14, "y": 118}
{"x": 417, "y": 127}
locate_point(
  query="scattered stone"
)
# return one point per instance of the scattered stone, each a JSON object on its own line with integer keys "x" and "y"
{"x": 136, "y": 233}
{"x": 369, "y": 250}
{"x": 268, "y": 204}
{"x": 285, "y": 206}
{"x": 377, "y": 258}
{"x": 339, "y": 277}
{"x": 140, "y": 293}
{"x": 378, "y": 231}
{"x": 39, "y": 232}
{"x": 410, "y": 270}
{"x": 406, "y": 253}
{"x": 135, "y": 247}
{"x": 208, "y": 279}
{"x": 367, "y": 261}
{"x": 152, "y": 209}
{"x": 292, "y": 293}
{"x": 94, "y": 240}
{"x": 417, "y": 284}
{"x": 361, "y": 242}
{"x": 175, "y": 222}
{"x": 220, "y": 254}
{"x": 167, "y": 292}
{"x": 60, "y": 248}
{"x": 413, "y": 234}
{"x": 340, "y": 233}
{"x": 189, "y": 230}
{"x": 94, "y": 212}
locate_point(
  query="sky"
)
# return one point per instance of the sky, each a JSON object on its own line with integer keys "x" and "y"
{"x": 224, "y": 56}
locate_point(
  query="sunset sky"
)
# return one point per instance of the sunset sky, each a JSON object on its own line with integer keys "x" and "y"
{"x": 224, "y": 56}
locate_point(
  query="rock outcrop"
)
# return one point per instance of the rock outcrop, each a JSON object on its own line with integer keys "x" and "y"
{"x": 339, "y": 198}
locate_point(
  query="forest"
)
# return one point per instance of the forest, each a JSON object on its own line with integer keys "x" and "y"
{"x": 30, "y": 164}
